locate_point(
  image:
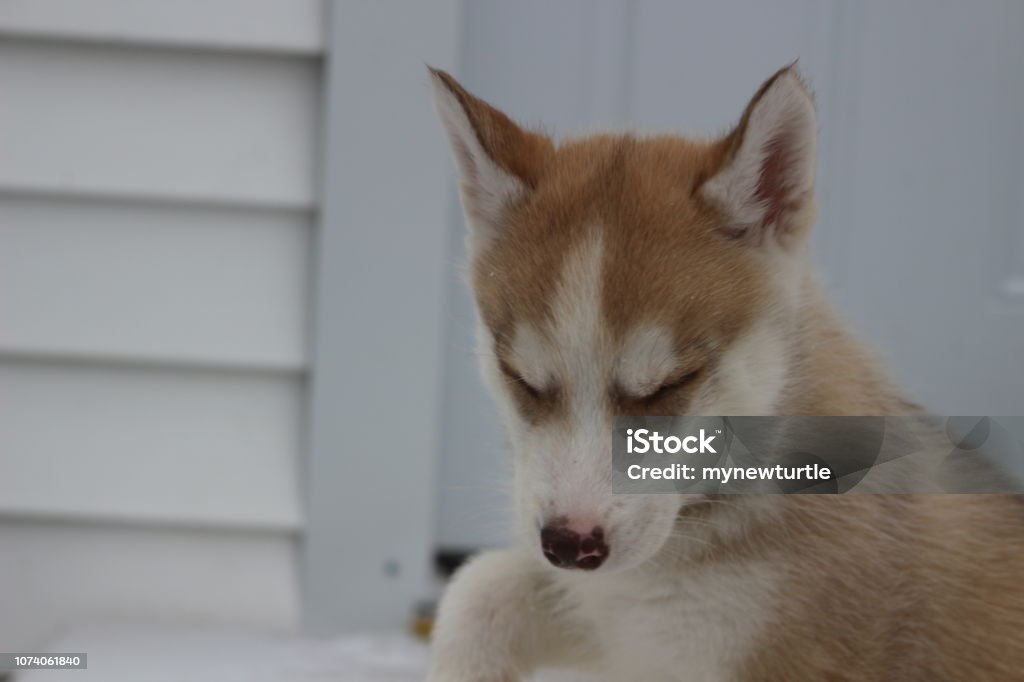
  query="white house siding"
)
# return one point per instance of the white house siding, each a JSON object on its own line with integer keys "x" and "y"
{"x": 157, "y": 164}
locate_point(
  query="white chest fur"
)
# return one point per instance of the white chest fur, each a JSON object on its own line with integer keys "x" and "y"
{"x": 685, "y": 624}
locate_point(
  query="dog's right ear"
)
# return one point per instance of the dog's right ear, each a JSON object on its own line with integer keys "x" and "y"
{"x": 498, "y": 161}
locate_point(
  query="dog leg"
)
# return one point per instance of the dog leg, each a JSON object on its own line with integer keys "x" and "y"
{"x": 497, "y": 622}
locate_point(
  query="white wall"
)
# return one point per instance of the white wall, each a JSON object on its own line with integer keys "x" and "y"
{"x": 157, "y": 196}
{"x": 920, "y": 233}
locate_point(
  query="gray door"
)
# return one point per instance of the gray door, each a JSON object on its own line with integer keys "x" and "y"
{"x": 920, "y": 236}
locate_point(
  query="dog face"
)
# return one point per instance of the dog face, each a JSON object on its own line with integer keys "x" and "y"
{"x": 617, "y": 275}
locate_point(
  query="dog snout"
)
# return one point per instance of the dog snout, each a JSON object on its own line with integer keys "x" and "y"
{"x": 567, "y": 548}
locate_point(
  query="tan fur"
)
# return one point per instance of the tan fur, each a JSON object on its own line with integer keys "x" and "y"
{"x": 897, "y": 588}
{"x": 875, "y": 587}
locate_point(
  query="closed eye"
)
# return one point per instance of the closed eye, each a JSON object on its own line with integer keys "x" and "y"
{"x": 517, "y": 378}
{"x": 671, "y": 386}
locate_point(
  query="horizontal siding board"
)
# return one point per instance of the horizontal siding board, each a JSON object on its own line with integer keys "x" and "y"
{"x": 164, "y": 283}
{"x": 293, "y": 26}
{"x": 57, "y": 575}
{"x": 116, "y": 121}
{"x": 150, "y": 445}
{"x": 156, "y": 199}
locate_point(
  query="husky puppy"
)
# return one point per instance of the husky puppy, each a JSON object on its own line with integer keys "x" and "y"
{"x": 624, "y": 275}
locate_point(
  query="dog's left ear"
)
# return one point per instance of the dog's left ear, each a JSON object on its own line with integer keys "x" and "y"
{"x": 765, "y": 181}
{"x": 498, "y": 161}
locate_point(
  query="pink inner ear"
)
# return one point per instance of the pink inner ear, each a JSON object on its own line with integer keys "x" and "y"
{"x": 770, "y": 170}
{"x": 774, "y": 185}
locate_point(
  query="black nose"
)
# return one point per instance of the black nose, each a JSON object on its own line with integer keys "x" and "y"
{"x": 566, "y": 548}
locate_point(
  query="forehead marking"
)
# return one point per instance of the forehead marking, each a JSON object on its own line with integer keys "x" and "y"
{"x": 576, "y": 346}
{"x": 578, "y": 332}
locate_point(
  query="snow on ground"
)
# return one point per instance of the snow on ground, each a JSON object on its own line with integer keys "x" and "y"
{"x": 147, "y": 653}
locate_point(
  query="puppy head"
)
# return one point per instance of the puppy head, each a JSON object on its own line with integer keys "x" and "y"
{"x": 617, "y": 275}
